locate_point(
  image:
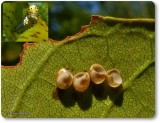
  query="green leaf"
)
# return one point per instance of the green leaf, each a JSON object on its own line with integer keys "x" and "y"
{"x": 13, "y": 14}
{"x": 29, "y": 90}
{"x": 37, "y": 33}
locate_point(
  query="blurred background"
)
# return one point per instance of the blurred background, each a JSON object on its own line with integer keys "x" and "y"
{"x": 10, "y": 53}
{"x": 66, "y": 18}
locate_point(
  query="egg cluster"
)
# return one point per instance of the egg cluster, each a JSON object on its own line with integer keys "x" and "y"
{"x": 96, "y": 74}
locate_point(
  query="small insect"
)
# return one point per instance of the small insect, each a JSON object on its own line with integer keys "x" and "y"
{"x": 29, "y": 20}
{"x": 33, "y": 12}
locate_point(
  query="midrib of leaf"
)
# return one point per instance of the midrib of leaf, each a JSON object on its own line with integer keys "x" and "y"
{"x": 148, "y": 20}
{"x": 128, "y": 84}
{"x": 135, "y": 75}
{"x": 32, "y": 76}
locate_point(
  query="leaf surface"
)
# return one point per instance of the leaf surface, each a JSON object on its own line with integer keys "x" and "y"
{"x": 29, "y": 90}
{"x": 37, "y": 33}
{"x": 12, "y": 16}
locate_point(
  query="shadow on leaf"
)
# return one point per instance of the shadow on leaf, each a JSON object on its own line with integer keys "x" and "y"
{"x": 116, "y": 95}
{"x": 66, "y": 97}
{"x": 84, "y": 99}
{"x": 100, "y": 91}
{"x": 69, "y": 97}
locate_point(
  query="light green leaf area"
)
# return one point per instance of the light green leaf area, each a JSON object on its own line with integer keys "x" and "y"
{"x": 13, "y": 13}
{"x": 29, "y": 89}
{"x": 37, "y": 33}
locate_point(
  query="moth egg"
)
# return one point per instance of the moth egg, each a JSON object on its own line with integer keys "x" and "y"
{"x": 81, "y": 81}
{"x": 114, "y": 78}
{"x": 97, "y": 73}
{"x": 64, "y": 79}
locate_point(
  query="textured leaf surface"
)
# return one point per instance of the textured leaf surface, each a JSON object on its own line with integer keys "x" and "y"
{"x": 37, "y": 33}
{"x": 12, "y": 16}
{"x": 28, "y": 89}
